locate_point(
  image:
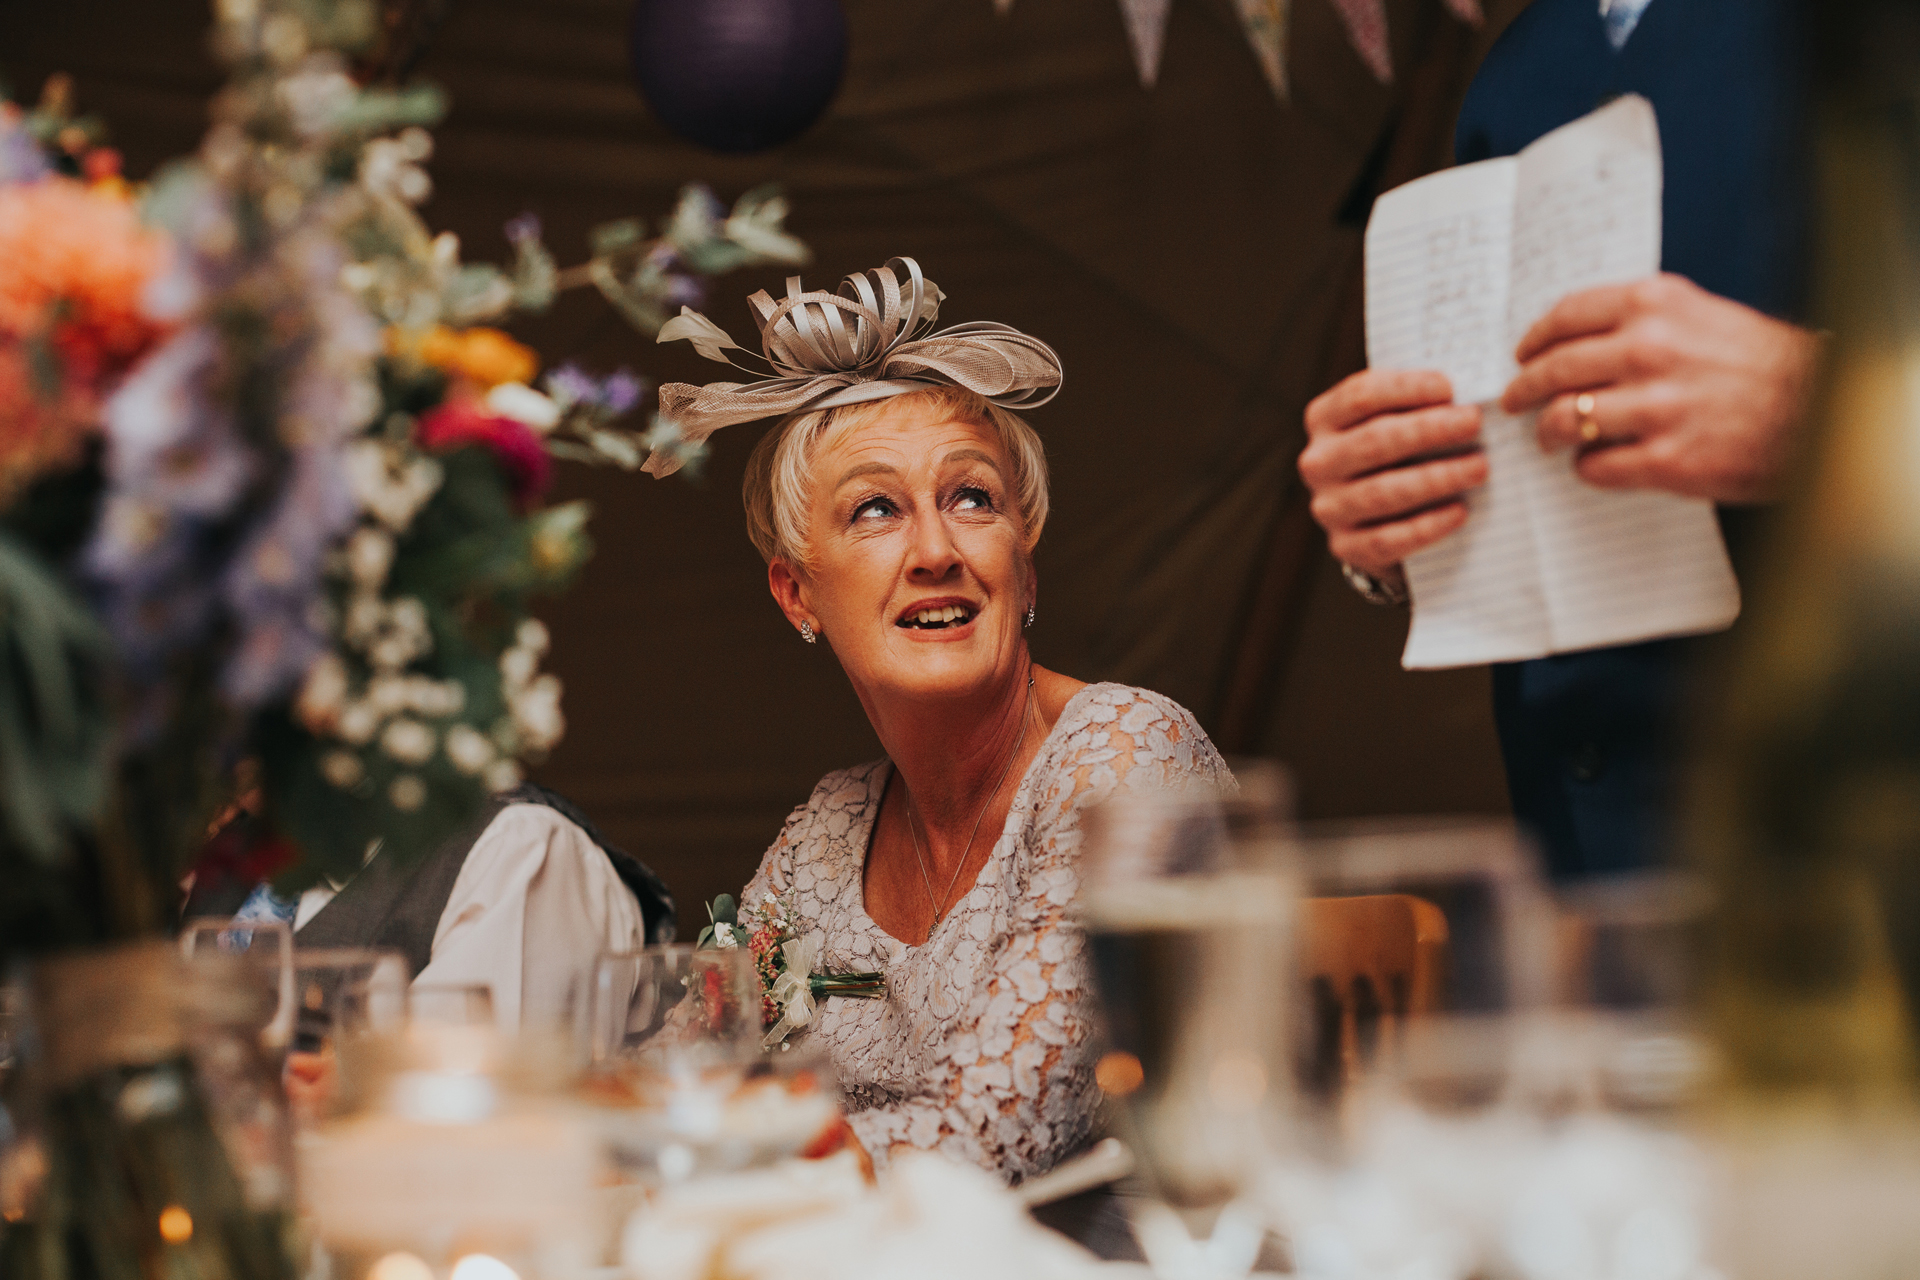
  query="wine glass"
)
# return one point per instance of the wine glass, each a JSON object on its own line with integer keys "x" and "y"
{"x": 266, "y": 946}
{"x": 1626, "y": 976}
{"x": 682, "y": 1080}
{"x": 333, "y": 987}
{"x": 1188, "y": 900}
{"x": 1427, "y": 955}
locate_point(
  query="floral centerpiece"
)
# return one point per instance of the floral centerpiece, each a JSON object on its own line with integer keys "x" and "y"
{"x": 784, "y": 960}
{"x": 273, "y": 515}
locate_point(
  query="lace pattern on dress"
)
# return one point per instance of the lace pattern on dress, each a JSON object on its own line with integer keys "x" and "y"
{"x": 981, "y": 1048}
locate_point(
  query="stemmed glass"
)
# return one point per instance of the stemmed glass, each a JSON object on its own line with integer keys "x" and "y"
{"x": 678, "y": 1067}
{"x": 333, "y": 987}
{"x": 1427, "y": 957}
{"x": 267, "y": 948}
{"x": 1188, "y": 899}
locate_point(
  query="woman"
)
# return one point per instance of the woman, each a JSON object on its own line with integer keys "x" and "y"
{"x": 897, "y": 506}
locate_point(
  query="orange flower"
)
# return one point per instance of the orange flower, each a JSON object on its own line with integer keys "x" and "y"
{"x": 73, "y": 265}
{"x": 39, "y": 432}
{"x": 486, "y": 357}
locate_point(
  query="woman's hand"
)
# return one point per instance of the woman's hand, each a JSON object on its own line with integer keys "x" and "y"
{"x": 1389, "y": 458}
{"x": 1690, "y": 393}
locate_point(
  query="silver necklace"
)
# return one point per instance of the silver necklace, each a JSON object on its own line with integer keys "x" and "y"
{"x": 920, "y": 858}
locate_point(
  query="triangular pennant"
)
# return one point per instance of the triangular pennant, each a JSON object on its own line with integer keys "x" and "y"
{"x": 1265, "y": 22}
{"x": 1147, "y": 33}
{"x": 1366, "y": 22}
{"x": 1468, "y": 11}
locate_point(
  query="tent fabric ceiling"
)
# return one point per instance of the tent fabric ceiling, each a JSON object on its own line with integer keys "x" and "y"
{"x": 1191, "y": 251}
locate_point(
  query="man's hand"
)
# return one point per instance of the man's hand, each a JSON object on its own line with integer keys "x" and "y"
{"x": 1389, "y": 457}
{"x": 1690, "y": 392}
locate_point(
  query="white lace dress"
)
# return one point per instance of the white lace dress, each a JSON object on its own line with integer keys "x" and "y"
{"x": 980, "y": 1048}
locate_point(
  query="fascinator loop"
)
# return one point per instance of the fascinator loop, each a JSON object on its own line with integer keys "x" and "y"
{"x": 870, "y": 340}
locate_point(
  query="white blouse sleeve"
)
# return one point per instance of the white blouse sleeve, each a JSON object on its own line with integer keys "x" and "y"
{"x": 535, "y": 904}
{"x": 1009, "y": 1082}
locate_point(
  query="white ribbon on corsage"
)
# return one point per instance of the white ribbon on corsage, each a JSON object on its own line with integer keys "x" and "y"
{"x": 792, "y": 991}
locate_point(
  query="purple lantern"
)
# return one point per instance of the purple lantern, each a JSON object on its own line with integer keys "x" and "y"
{"x": 738, "y": 75}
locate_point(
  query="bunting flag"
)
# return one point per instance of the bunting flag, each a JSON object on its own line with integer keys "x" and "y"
{"x": 1147, "y": 33}
{"x": 1265, "y": 22}
{"x": 1366, "y": 22}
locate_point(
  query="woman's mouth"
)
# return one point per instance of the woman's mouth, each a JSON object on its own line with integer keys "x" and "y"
{"x": 937, "y": 619}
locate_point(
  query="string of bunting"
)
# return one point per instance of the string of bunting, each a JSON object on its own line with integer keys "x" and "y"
{"x": 1265, "y": 25}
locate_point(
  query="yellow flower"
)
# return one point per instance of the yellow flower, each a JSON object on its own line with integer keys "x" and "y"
{"x": 480, "y": 355}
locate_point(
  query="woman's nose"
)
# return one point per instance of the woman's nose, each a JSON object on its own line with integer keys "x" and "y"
{"x": 934, "y": 554}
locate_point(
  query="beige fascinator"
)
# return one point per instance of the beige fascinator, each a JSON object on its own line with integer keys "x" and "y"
{"x": 866, "y": 342}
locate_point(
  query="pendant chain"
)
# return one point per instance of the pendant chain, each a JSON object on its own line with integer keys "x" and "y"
{"x": 938, "y": 909}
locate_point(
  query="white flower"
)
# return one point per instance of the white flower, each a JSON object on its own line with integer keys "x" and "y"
{"x": 391, "y": 483}
{"x": 388, "y": 168}
{"x": 407, "y": 793}
{"x": 468, "y": 748}
{"x": 342, "y": 768}
{"x": 517, "y": 666}
{"x": 388, "y": 694}
{"x": 502, "y": 775}
{"x": 408, "y": 741}
{"x": 358, "y": 722}
{"x": 522, "y": 403}
{"x": 536, "y": 712}
{"x": 723, "y": 937}
{"x": 323, "y": 693}
{"x": 315, "y": 99}
{"x": 369, "y": 556}
{"x": 364, "y": 616}
{"x": 409, "y": 617}
{"x": 531, "y": 635}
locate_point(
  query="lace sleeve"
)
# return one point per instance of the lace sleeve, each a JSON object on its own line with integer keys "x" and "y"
{"x": 775, "y": 873}
{"x": 1009, "y": 1082}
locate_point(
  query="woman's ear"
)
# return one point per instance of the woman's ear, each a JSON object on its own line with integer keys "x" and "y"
{"x": 790, "y": 593}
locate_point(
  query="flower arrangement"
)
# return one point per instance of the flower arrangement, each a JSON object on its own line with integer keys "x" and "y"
{"x": 276, "y": 479}
{"x": 273, "y": 512}
{"x": 784, "y": 961}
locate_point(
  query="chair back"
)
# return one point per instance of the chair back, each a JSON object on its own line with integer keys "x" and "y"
{"x": 1374, "y": 961}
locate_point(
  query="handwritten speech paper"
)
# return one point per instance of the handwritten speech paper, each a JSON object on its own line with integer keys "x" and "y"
{"x": 1459, "y": 266}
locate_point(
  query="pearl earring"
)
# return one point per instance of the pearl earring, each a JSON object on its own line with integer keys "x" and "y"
{"x": 806, "y": 632}
{"x": 1029, "y": 615}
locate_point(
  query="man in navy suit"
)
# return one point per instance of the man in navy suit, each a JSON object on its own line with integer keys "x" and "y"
{"x": 1694, "y": 382}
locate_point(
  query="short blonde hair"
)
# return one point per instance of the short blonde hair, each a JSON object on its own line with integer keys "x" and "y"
{"x": 779, "y": 480}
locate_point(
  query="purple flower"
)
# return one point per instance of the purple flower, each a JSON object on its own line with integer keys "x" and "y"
{"x": 21, "y": 159}
{"x": 571, "y": 385}
{"x": 621, "y": 391}
{"x": 170, "y": 443}
{"x": 524, "y": 227}
{"x": 684, "y": 290}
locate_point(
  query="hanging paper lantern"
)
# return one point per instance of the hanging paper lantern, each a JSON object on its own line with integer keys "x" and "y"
{"x": 738, "y": 75}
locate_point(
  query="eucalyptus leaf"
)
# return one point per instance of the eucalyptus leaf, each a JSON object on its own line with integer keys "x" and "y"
{"x": 612, "y": 237}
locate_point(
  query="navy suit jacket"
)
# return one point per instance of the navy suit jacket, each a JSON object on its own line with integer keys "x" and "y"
{"x": 1589, "y": 739}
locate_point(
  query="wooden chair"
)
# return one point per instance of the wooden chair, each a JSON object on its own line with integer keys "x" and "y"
{"x": 1374, "y": 962}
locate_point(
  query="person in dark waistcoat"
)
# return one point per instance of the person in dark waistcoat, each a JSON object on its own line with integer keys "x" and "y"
{"x": 523, "y": 902}
{"x": 1698, "y": 381}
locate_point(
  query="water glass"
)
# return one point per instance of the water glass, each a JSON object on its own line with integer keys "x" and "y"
{"x": 1189, "y": 900}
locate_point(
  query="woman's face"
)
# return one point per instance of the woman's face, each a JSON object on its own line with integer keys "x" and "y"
{"x": 919, "y": 575}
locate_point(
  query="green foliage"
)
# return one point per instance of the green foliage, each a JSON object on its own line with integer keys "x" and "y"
{"x": 54, "y": 729}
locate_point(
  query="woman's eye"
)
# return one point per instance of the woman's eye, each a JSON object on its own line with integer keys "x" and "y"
{"x": 873, "y": 509}
{"x": 973, "y": 498}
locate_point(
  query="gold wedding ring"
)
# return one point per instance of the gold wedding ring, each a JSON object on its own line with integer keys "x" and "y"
{"x": 1583, "y": 406}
